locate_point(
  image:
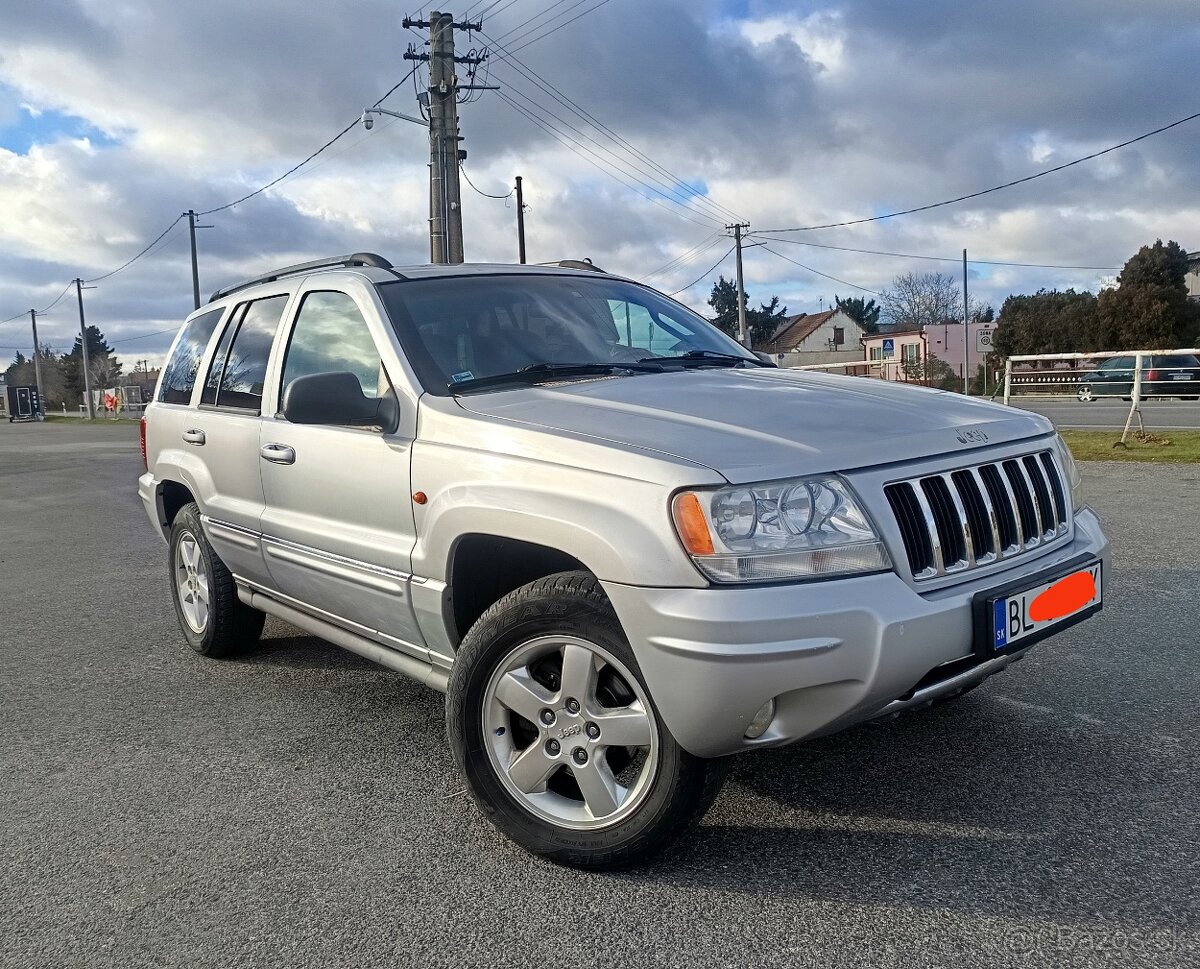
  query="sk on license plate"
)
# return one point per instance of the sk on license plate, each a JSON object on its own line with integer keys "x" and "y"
{"x": 1030, "y": 613}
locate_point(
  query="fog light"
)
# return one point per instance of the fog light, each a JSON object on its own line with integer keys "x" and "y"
{"x": 762, "y": 720}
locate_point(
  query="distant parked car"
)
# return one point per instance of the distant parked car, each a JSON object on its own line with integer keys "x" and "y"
{"x": 1163, "y": 375}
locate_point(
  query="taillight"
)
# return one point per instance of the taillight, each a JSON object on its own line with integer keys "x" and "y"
{"x": 1151, "y": 374}
{"x": 142, "y": 442}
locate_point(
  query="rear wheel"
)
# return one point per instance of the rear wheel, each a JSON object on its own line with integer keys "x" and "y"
{"x": 1086, "y": 394}
{"x": 213, "y": 620}
{"x": 557, "y": 736}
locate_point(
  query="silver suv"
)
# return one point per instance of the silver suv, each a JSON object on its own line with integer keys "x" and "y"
{"x": 623, "y": 545}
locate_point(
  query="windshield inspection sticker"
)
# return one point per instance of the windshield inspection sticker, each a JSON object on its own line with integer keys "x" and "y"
{"x": 458, "y": 378}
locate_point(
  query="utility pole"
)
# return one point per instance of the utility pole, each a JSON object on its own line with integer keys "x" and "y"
{"x": 87, "y": 379}
{"x": 37, "y": 361}
{"x": 445, "y": 199}
{"x": 193, "y": 225}
{"x": 520, "y": 222}
{"x": 743, "y": 334}
{"x": 966, "y": 333}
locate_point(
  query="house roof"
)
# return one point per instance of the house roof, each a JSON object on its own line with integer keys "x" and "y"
{"x": 795, "y": 330}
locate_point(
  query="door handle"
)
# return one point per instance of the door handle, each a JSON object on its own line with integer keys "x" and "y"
{"x": 278, "y": 454}
{"x": 194, "y": 436}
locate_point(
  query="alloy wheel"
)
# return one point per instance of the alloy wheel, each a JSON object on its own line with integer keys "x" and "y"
{"x": 191, "y": 582}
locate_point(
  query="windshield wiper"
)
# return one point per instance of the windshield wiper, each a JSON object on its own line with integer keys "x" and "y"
{"x": 536, "y": 373}
{"x": 702, "y": 357}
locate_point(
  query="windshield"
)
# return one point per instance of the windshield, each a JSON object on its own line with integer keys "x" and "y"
{"x": 461, "y": 328}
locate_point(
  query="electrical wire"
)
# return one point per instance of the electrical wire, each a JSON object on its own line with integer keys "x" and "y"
{"x": 580, "y": 150}
{"x": 912, "y": 255}
{"x": 125, "y": 265}
{"x": 706, "y": 275}
{"x": 23, "y": 313}
{"x": 562, "y": 25}
{"x": 994, "y": 188}
{"x": 721, "y": 212}
{"x": 489, "y": 195}
{"x": 539, "y": 16}
{"x": 295, "y": 168}
{"x": 817, "y": 272}
{"x": 655, "y": 185}
{"x": 688, "y": 256}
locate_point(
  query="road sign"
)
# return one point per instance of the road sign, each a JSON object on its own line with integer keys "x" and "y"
{"x": 889, "y": 348}
{"x": 983, "y": 340}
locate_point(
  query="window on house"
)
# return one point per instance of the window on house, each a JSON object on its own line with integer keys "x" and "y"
{"x": 910, "y": 352}
{"x": 839, "y": 336}
{"x": 876, "y": 353}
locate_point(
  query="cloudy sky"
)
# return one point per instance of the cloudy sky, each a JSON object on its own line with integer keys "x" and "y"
{"x": 116, "y": 115}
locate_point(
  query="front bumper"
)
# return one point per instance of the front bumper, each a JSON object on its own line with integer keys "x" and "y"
{"x": 831, "y": 653}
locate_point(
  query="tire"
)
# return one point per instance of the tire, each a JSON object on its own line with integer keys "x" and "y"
{"x": 214, "y": 621}
{"x": 532, "y": 651}
{"x": 1086, "y": 394}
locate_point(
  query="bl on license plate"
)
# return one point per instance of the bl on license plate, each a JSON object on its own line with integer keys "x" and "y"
{"x": 1028, "y": 614}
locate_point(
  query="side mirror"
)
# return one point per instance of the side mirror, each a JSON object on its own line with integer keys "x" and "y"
{"x": 337, "y": 399}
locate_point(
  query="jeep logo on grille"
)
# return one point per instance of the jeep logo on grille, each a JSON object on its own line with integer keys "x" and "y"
{"x": 570, "y": 731}
{"x": 971, "y": 437}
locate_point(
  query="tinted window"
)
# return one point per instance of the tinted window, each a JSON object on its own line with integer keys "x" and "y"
{"x": 244, "y": 367}
{"x": 217, "y": 367}
{"x": 179, "y": 375}
{"x": 331, "y": 336}
{"x": 1178, "y": 360}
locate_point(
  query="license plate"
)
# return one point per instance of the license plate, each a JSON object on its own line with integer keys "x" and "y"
{"x": 1181, "y": 376}
{"x": 1021, "y": 618}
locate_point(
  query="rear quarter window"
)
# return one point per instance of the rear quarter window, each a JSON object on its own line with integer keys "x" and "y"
{"x": 179, "y": 375}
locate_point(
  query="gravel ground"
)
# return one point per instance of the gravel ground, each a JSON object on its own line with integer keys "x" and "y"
{"x": 299, "y": 807}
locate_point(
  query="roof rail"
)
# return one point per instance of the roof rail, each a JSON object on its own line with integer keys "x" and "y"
{"x": 584, "y": 263}
{"x": 353, "y": 259}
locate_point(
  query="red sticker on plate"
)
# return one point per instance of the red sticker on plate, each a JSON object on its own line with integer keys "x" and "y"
{"x": 1064, "y": 597}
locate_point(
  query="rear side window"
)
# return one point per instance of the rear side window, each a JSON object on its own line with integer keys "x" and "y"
{"x": 179, "y": 375}
{"x": 239, "y": 367}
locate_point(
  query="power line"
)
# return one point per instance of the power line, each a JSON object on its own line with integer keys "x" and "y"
{"x": 538, "y": 16}
{"x": 817, "y": 272}
{"x": 956, "y": 260}
{"x": 489, "y": 195}
{"x": 687, "y": 256}
{"x": 295, "y": 168}
{"x": 706, "y": 275}
{"x": 25, "y": 313}
{"x": 125, "y": 265}
{"x": 590, "y": 156}
{"x": 721, "y": 212}
{"x": 994, "y": 188}
{"x": 555, "y": 30}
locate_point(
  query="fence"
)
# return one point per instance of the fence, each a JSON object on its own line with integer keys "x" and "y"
{"x": 1132, "y": 375}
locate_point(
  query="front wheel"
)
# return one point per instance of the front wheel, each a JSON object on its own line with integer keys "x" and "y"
{"x": 213, "y": 620}
{"x": 557, "y": 736}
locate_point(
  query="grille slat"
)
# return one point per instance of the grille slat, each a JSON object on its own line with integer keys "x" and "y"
{"x": 970, "y": 517}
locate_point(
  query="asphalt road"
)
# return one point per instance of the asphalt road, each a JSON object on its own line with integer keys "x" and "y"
{"x": 299, "y": 807}
{"x": 1165, "y": 415}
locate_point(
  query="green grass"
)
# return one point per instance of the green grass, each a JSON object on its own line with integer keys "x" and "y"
{"x": 1163, "y": 447}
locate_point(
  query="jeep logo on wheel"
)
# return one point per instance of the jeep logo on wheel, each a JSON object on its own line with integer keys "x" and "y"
{"x": 570, "y": 731}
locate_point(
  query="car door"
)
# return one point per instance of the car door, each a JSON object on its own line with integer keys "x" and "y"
{"x": 223, "y": 427}
{"x": 1116, "y": 377}
{"x": 337, "y": 525}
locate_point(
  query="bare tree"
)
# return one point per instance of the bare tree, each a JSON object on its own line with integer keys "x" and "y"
{"x": 916, "y": 300}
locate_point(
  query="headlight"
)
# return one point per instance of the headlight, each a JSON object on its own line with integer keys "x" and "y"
{"x": 805, "y": 528}
{"x": 1074, "y": 478}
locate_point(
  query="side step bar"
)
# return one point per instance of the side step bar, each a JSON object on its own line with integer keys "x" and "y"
{"x": 368, "y": 649}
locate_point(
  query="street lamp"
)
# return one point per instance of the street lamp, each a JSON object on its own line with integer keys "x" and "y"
{"x": 368, "y": 122}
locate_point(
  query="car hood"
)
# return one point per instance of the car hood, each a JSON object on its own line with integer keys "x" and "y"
{"x": 755, "y": 425}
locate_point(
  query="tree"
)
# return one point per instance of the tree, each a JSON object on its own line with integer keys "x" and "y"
{"x": 761, "y": 323}
{"x": 1149, "y": 309}
{"x": 864, "y": 312}
{"x": 103, "y": 366}
{"x": 1049, "y": 321}
{"x": 917, "y": 300}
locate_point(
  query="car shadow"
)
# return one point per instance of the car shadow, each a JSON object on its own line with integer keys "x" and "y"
{"x": 965, "y": 807}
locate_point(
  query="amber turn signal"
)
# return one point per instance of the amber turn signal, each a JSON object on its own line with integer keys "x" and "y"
{"x": 692, "y": 524}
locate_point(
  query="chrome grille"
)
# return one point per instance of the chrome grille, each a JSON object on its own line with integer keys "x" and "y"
{"x": 971, "y": 517}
